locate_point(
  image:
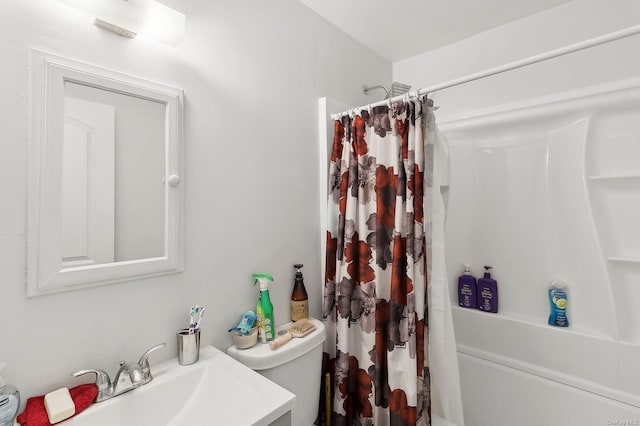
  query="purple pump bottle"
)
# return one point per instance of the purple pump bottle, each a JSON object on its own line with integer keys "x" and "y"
{"x": 467, "y": 289}
{"x": 488, "y": 292}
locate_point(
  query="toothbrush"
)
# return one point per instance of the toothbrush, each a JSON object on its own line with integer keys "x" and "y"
{"x": 195, "y": 316}
{"x": 200, "y": 314}
{"x": 192, "y": 319}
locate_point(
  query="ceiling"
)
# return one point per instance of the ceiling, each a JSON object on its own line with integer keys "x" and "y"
{"x": 399, "y": 29}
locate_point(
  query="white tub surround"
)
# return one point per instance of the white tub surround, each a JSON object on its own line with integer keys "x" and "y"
{"x": 548, "y": 190}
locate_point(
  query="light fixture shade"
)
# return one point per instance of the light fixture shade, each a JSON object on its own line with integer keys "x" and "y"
{"x": 163, "y": 23}
{"x": 147, "y": 17}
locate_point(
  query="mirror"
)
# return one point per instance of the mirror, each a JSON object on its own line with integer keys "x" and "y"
{"x": 104, "y": 166}
{"x": 112, "y": 177}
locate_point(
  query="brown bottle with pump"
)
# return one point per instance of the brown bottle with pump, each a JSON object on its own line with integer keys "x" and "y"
{"x": 299, "y": 298}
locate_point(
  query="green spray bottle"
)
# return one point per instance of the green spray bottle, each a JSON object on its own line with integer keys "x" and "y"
{"x": 264, "y": 309}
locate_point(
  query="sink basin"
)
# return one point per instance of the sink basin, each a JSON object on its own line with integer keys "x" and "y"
{"x": 217, "y": 390}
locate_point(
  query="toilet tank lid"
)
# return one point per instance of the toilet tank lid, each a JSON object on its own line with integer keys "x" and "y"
{"x": 261, "y": 357}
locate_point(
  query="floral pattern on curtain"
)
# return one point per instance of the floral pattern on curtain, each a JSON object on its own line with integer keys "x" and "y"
{"x": 375, "y": 307}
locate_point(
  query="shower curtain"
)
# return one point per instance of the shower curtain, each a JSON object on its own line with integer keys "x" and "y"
{"x": 381, "y": 212}
{"x": 376, "y": 269}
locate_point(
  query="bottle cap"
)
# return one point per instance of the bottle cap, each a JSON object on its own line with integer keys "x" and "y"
{"x": 487, "y": 271}
{"x": 557, "y": 284}
{"x": 298, "y": 266}
{"x": 467, "y": 268}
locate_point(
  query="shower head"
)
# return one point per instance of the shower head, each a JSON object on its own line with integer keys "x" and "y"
{"x": 396, "y": 89}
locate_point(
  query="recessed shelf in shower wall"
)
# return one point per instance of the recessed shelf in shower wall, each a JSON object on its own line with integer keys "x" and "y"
{"x": 614, "y": 141}
{"x": 611, "y": 162}
{"x": 612, "y": 177}
{"x": 624, "y": 259}
{"x": 625, "y": 278}
{"x": 616, "y": 207}
{"x": 625, "y": 273}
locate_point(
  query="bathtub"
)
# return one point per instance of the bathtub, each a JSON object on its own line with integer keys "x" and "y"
{"x": 542, "y": 191}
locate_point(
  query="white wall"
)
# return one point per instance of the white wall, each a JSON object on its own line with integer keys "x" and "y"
{"x": 252, "y": 73}
{"x": 563, "y": 25}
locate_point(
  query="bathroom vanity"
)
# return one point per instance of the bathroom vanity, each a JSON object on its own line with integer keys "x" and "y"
{"x": 215, "y": 390}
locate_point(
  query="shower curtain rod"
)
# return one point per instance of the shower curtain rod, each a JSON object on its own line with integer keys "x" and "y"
{"x": 585, "y": 44}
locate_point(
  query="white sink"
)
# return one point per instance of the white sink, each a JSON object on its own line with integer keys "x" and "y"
{"x": 217, "y": 390}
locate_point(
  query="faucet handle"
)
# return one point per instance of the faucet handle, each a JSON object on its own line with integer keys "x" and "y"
{"x": 102, "y": 378}
{"x": 144, "y": 359}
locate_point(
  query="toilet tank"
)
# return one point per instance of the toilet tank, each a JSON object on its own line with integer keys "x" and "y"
{"x": 296, "y": 366}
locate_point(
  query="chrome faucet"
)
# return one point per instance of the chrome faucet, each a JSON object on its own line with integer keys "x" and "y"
{"x": 130, "y": 375}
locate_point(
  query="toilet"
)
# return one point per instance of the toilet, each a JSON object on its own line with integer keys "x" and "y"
{"x": 296, "y": 366}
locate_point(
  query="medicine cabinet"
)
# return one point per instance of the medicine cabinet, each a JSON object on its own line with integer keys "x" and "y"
{"x": 105, "y": 167}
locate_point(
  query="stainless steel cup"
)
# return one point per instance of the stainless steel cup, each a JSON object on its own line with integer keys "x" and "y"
{"x": 188, "y": 347}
